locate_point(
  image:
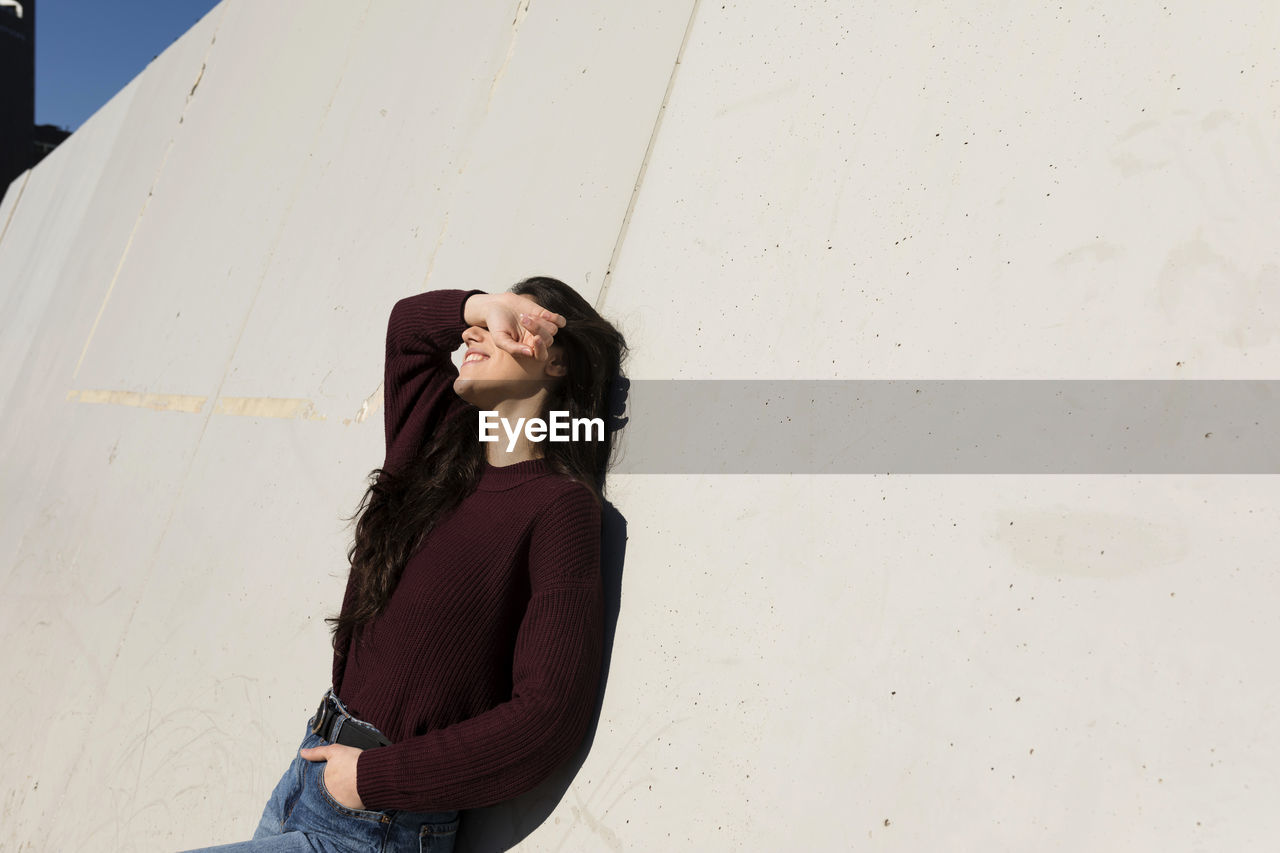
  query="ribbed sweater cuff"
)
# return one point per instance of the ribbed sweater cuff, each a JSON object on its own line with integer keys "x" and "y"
{"x": 462, "y": 304}
{"x": 376, "y": 777}
{"x": 435, "y": 316}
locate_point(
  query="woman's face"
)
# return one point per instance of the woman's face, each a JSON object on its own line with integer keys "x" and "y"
{"x": 490, "y": 374}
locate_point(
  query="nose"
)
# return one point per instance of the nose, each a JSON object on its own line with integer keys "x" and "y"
{"x": 472, "y": 335}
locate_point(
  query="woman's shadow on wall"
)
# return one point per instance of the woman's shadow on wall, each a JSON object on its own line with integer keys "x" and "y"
{"x": 505, "y": 825}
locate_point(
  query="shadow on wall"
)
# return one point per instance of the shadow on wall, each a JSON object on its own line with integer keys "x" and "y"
{"x": 503, "y": 826}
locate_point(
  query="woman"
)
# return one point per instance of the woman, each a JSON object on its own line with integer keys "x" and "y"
{"x": 468, "y": 649}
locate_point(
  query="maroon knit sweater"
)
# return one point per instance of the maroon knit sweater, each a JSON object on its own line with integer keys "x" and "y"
{"x": 484, "y": 665}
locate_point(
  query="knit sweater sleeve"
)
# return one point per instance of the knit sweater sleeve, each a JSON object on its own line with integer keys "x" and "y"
{"x": 417, "y": 389}
{"x": 510, "y": 748}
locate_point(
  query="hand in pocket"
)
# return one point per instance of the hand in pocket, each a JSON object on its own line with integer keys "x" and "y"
{"x": 340, "y": 772}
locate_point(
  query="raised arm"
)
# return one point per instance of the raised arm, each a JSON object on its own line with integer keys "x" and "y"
{"x": 510, "y": 748}
{"x": 417, "y": 389}
{"x": 417, "y": 392}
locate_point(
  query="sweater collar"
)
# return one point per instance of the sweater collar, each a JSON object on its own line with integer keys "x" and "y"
{"x": 494, "y": 478}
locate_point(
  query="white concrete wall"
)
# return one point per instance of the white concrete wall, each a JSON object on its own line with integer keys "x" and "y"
{"x": 807, "y": 190}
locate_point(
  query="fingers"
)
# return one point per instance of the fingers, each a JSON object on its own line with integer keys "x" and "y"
{"x": 518, "y": 304}
{"x": 540, "y": 325}
{"x": 321, "y": 753}
{"x": 541, "y": 329}
{"x": 523, "y": 304}
{"x": 510, "y": 343}
{"x": 543, "y": 314}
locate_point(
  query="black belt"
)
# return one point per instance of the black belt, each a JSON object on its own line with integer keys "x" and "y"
{"x": 351, "y": 733}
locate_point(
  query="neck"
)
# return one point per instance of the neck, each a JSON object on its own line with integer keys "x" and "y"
{"x": 504, "y": 452}
{"x": 500, "y": 457}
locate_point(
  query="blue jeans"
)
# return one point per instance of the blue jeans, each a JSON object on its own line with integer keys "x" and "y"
{"x": 302, "y": 816}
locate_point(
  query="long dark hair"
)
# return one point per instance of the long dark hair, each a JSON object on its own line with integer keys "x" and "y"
{"x": 398, "y": 511}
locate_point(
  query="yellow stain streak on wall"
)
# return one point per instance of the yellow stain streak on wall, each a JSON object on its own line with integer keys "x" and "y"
{"x": 159, "y": 402}
{"x": 287, "y": 408}
{"x": 268, "y": 407}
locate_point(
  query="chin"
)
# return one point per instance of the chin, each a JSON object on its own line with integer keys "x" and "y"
{"x": 470, "y": 391}
{"x": 466, "y": 389}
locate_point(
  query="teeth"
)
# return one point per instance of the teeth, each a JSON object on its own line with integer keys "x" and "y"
{"x": 472, "y": 358}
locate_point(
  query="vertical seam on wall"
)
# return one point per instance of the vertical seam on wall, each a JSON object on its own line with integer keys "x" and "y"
{"x": 146, "y": 202}
{"x": 173, "y": 507}
{"x": 644, "y": 163}
{"x": 26, "y": 176}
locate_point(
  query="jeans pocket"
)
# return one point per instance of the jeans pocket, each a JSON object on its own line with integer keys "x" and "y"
{"x": 438, "y": 836}
{"x": 362, "y": 814}
{"x": 297, "y": 772}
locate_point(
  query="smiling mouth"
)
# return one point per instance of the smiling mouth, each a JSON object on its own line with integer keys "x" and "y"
{"x": 472, "y": 359}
